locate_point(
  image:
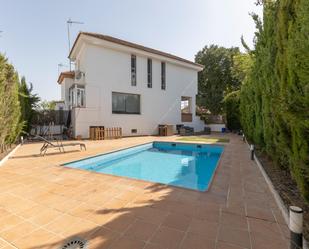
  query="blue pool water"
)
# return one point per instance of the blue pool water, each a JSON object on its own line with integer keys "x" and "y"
{"x": 179, "y": 164}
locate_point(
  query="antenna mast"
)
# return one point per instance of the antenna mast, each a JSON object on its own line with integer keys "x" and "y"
{"x": 69, "y": 24}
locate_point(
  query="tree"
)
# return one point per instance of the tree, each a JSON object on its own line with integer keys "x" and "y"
{"x": 28, "y": 103}
{"x": 242, "y": 64}
{"x": 10, "y": 125}
{"x": 231, "y": 103}
{"x": 46, "y": 105}
{"x": 216, "y": 79}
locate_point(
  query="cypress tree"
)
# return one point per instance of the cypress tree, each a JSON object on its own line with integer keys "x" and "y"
{"x": 274, "y": 101}
{"x": 28, "y": 102}
{"x": 10, "y": 125}
{"x": 296, "y": 90}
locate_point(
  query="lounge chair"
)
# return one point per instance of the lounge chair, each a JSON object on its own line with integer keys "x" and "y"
{"x": 48, "y": 144}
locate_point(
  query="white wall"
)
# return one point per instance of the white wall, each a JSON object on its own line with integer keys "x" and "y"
{"x": 216, "y": 127}
{"x": 108, "y": 70}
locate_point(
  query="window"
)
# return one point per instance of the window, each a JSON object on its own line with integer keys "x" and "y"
{"x": 149, "y": 73}
{"x": 133, "y": 70}
{"x": 80, "y": 92}
{"x": 125, "y": 103}
{"x": 163, "y": 76}
{"x": 186, "y": 104}
{"x": 186, "y": 109}
{"x": 77, "y": 96}
{"x": 71, "y": 94}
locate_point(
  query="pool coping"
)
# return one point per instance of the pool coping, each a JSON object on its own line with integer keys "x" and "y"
{"x": 106, "y": 153}
{"x": 141, "y": 180}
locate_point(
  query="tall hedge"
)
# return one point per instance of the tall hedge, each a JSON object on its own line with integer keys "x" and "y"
{"x": 274, "y": 100}
{"x": 10, "y": 123}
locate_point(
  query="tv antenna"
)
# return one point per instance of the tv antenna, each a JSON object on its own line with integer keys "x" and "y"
{"x": 69, "y": 24}
{"x": 60, "y": 65}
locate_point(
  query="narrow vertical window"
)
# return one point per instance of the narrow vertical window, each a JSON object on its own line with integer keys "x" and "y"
{"x": 149, "y": 73}
{"x": 163, "y": 76}
{"x": 133, "y": 70}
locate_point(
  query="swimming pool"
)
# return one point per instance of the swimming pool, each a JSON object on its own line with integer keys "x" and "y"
{"x": 184, "y": 165}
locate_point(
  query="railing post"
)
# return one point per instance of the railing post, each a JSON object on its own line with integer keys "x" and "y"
{"x": 252, "y": 151}
{"x": 296, "y": 227}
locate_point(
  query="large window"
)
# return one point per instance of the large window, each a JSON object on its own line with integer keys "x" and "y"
{"x": 163, "y": 76}
{"x": 133, "y": 70}
{"x": 149, "y": 73}
{"x": 125, "y": 103}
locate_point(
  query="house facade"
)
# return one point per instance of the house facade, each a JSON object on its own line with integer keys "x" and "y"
{"x": 121, "y": 84}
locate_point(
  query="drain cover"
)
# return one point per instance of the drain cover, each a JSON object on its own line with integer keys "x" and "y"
{"x": 75, "y": 243}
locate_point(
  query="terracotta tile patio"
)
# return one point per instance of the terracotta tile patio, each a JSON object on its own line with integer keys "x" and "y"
{"x": 43, "y": 204}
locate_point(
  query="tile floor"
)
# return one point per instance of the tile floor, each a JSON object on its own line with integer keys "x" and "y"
{"x": 42, "y": 205}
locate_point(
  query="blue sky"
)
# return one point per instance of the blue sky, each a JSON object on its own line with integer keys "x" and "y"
{"x": 34, "y": 34}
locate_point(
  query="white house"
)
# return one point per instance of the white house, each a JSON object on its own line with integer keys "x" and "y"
{"x": 122, "y": 84}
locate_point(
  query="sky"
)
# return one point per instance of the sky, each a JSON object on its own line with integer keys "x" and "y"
{"x": 35, "y": 41}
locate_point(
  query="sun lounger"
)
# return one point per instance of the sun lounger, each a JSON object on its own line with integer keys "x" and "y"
{"x": 48, "y": 144}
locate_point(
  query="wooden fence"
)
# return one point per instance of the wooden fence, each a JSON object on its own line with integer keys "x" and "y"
{"x": 102, "y": 133}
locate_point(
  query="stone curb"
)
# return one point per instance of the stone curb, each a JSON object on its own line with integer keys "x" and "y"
{"x": 9, "y": 155}
{"x": 279, "y": 201}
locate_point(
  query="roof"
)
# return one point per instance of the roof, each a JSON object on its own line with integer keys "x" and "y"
{"x": 132, "y": 45}
{"x": 63, "y": 75}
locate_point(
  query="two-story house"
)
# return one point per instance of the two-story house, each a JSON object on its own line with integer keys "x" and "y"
{"x": 122, "y": 84}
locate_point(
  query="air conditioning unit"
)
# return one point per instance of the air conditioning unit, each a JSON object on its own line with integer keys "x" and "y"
{"x": 79, "y": 75}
